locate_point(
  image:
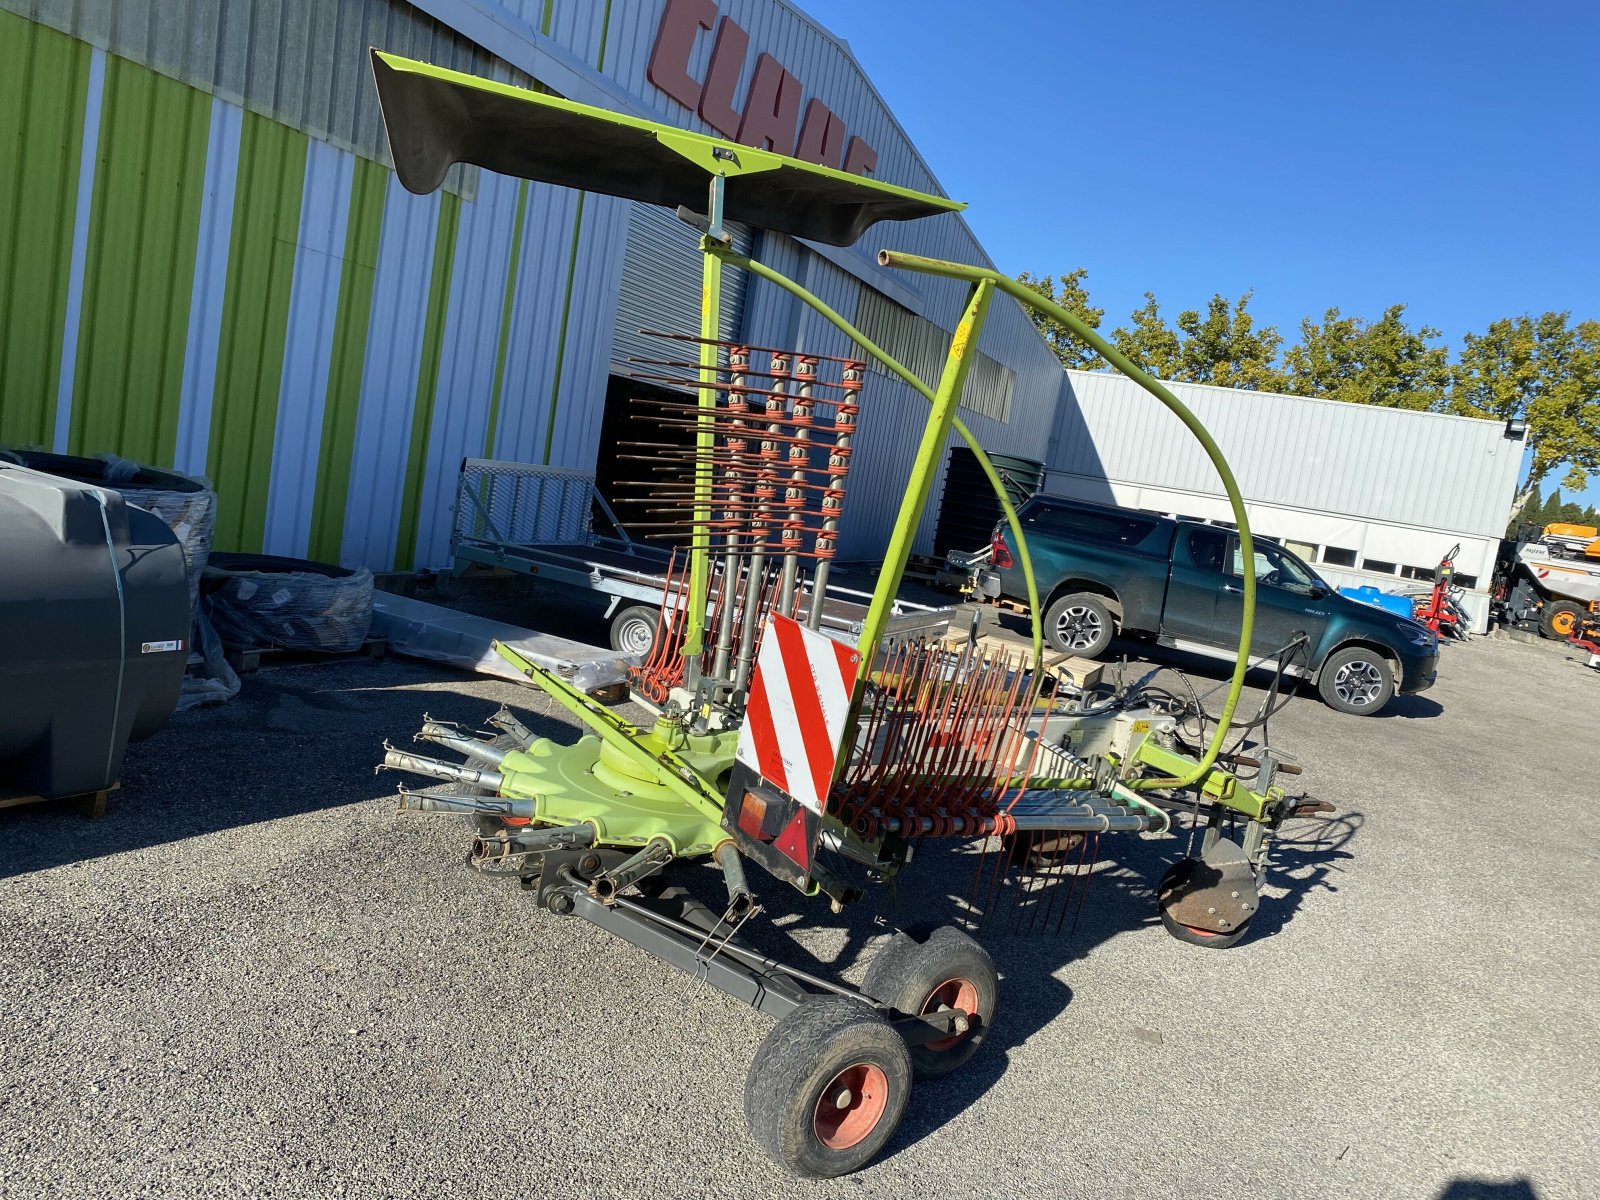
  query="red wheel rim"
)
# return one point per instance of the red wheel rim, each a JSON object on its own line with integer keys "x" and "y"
{"x": 851, "y": 1106}
{"x": 1198, "y": 932}
{"x": 959, "y": 994}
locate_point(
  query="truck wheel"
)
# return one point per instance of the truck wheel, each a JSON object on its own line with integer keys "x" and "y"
{"x": 633, "y": 630}
{"x": 827, "y": 1088}
{"x": 1356, "y": 680}
{"x": 1559, "y": 619}
{"x": 1080, "y": 624}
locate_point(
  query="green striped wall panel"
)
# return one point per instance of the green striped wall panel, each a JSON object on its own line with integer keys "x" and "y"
{"x": 255, "y": 317}
{"x": 367, "y": 189}
{"x": 139, "y": 265}
{"x": 43, "y": 77}
{"x": 444, "y": 257}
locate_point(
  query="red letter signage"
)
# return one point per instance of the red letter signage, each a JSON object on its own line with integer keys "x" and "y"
{"x": 821, "y": 135}
{"x": 722, "y": 79}
{"x": 772, "y": 105}
{"x": 860, "y": 158}
{"x": 681, "y": 22}
{"x": 771, "y": 108}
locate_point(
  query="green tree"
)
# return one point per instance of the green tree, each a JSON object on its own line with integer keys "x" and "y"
{"x": 1545, "y": 371}
{"x": 1383, "y": 362}
{"x": 1150, "y": 341}
{"x": 1526, "y": 514}
{"x": 1069, "y": 292}
{"x": 1222, "y": 346}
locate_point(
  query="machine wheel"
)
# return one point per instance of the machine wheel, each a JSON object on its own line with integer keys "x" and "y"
{"x": 1188, "y": 933}
{"x": 1081, "y": 624}
{"x": 633, "y": 630}
{"x": 947, "y": 969}
{"x": 1356, "y": 680}
{"x": 827, "y": 1088}
{"x": 1560, "y": 619}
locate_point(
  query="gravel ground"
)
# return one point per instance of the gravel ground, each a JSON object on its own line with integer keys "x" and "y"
{"x": 252, "y": 978}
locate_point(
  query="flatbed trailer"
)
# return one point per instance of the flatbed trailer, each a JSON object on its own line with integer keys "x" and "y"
{"x": 542, "y": 521}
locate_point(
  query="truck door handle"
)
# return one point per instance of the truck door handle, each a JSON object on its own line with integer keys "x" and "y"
{"x": 1232, "y": 590}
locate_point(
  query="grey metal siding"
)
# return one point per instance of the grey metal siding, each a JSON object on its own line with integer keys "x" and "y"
{"x": 300, "y": 62}
{"x": 661, "y": 286}
{"x": 1424, "y": 469}
{"x": 303, "y": 63}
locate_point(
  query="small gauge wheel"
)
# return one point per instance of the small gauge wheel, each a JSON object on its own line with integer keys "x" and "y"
{"x": 827, "y": 1088}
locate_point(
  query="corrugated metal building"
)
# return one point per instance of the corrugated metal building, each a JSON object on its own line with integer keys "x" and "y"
{"x": 206, "y": 263}
{"x": 1370, "y": 495}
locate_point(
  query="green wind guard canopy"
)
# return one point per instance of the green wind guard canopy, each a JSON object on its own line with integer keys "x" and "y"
{"x": 436, "y": 118}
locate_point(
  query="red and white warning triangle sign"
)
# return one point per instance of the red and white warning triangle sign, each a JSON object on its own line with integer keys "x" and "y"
{"x": 795, "y": 717}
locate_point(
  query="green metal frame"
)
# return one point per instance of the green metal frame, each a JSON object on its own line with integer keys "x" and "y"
{"x": 436, "y": 117}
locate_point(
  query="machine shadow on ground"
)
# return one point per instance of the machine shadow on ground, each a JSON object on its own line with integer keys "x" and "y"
{"x": 295, "y": 740}
{"x": 302, "y": 740}
{"x": 1031, "y": 936}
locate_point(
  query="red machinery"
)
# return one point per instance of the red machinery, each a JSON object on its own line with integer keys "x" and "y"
{"x": 1439, "y": 609}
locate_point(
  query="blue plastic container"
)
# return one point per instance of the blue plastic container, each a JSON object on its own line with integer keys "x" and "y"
{"x": 1400, "y": 606}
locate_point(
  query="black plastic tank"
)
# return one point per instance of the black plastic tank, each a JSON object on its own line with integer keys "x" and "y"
{"x": 94, "y": 627}
{"x": 970, "y": 510}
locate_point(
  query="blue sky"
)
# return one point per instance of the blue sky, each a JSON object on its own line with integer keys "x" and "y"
{"x": 1441, "y": 155}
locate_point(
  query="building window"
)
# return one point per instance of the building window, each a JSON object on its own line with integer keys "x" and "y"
{"x": 1467, "y": 581}
{"x": 1417, "y": 572}
{"x": 1304, "y": 551}
{"x": 920, "y": 345}
{"x": 1338, "y": 556}
{"x": 1373, "y": 564}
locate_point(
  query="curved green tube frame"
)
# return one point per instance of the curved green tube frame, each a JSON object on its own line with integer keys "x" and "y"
{"x": 1011, "y": 287}
{"x": 1032, "y": 299}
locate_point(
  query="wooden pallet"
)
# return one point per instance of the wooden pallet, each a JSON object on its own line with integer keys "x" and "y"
{"x": 1081, "y": 673}
{"x": 246, "y": 662}
{"x": 94, "y": 803}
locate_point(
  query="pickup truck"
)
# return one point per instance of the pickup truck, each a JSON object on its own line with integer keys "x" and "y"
{"x": 1103, "y": 570}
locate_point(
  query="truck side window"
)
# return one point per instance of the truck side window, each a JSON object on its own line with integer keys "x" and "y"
{"x": 1275, "y": 568}
{"x": 1113, "y": 528}
{"x": 1206, "y": 548}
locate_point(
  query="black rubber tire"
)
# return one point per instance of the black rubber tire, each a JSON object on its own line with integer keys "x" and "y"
{"x": 1356, "y": 680}
{"x": 95, "y": 471}
{"x": 1095, "y": 626}
{"x": 1559, "y": 614}
{"x": 1186, "y": 933}
{"x": 625, "y": 627}
{"x": 272, "y": 564}
{"x": 804, "y": 1053}
{"x": 907, "y": 971}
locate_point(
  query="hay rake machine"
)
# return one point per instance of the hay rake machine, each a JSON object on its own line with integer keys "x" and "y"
{"x": 826, "y": 764}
